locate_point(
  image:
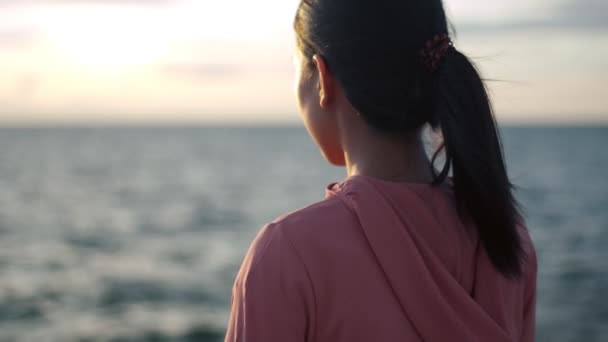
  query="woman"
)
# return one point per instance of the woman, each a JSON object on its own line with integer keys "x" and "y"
{"x": 397, "y": 251}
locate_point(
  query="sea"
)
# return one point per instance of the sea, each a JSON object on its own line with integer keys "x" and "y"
{"x": 136, "y": 233}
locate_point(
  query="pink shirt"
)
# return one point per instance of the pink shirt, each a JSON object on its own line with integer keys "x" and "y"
{"x": 378, "y": 261}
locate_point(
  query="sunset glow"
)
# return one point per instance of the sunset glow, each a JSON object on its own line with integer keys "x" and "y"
{"x": 193, "y": 60}
{"x": 91, "y": 42}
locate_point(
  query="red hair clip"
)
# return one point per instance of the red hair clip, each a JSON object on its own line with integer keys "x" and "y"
{"x": 434, "y": 51}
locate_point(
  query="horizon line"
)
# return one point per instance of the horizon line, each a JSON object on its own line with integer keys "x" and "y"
{"x": 184, "y": 124}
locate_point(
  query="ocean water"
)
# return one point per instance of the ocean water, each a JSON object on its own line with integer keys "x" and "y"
{"x": 136, "y": 234}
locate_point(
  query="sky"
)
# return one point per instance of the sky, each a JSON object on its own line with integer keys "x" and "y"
{"x": 230, "y": 61}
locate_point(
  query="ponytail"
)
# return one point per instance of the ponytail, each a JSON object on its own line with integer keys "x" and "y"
{"x": 374, "y": 52}
{"x": 474, "y": 153}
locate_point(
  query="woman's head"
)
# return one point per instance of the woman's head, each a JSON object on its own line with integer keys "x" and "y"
{"x": 363, "y": 57}
{"x": 371, "y": 48}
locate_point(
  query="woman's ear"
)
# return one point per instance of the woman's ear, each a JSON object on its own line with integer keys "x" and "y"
{"x": 326, "y": 81}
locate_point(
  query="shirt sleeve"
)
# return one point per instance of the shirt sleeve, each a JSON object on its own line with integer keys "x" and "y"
{"x": 272, "y": 296}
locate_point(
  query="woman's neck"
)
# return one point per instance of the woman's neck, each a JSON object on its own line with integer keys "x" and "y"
{"x": 392, "y": 158}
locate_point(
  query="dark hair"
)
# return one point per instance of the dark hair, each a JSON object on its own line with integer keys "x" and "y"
{"x": 372, "y": 48}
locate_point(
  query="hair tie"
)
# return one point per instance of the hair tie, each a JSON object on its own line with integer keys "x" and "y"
{"x": 434, "y": 51}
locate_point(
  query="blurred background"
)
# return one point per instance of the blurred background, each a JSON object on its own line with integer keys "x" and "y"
{"x": 143, "y": 143}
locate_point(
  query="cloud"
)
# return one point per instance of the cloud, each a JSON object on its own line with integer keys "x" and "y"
{"x": 17, "y": 38}
{"x": 19, "y": 3}
{"x": 202, "y": 72}
{"x": 557, "y": 24}
{"x": 27, "y": 85}
{"x": 117, "y": 2}
{"x": 585, "y": 13}
{"x": 568, "y": 15}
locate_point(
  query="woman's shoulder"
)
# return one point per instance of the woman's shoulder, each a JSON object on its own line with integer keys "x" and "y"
{"x": 310, "y": 230}
{"x": 321, "y": 217}
{"x": 289, "y": 241}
